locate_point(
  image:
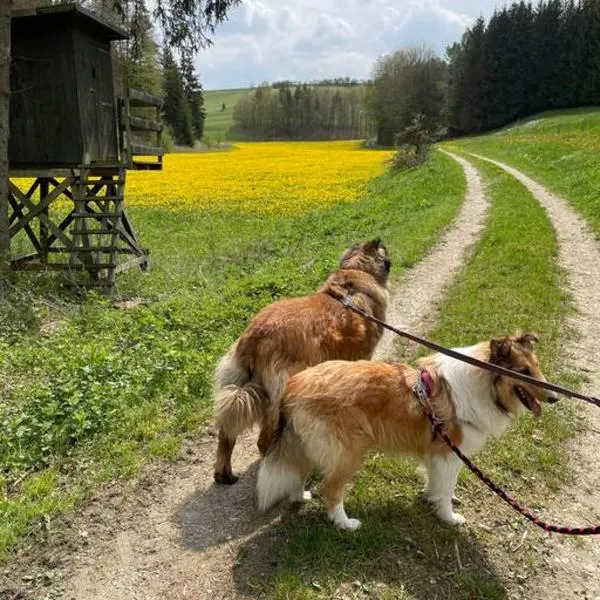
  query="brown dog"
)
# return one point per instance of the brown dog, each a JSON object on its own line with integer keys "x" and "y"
{"x": 333, "y": 413}
{"x": 290, "y": 335}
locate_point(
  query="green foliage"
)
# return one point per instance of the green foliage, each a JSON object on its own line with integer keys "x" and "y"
{"x": 405, "y": 84}
{"x": 178, "y": 114}
{"x": 413, "y": 146}
{"x": 300, "y": 111}
{"x": 523, "y": 61}
{"x": 184, "y": 25}
{"x": 194, "y": 95}
{"x": 139, "y": 58}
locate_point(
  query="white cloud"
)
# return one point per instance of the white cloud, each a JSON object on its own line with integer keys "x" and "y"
{"x": 266, "y": 40}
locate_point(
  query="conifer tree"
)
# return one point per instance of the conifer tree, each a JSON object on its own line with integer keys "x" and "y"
{"x": 176, "y": 108}
{"x": 547, "y": 48}
{"x": 194, "y": 94}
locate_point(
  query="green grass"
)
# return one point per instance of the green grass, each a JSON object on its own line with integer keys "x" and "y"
{"x": 106, "y": 390}
{"x": 402, "y": 551}
{"x": 218, "y": 122}
{"x": 560, "y": 150}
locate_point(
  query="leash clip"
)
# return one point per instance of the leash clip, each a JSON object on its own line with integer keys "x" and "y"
{"x": 347, "y": 301}
{"x": 420, "y": 390}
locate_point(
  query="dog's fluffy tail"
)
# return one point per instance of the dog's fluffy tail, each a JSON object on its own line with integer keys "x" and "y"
{"x": 281, "y": 471}
{"x": 239, "y": 403}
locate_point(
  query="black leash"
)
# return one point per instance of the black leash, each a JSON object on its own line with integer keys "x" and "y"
{"x": 347, "y": 301}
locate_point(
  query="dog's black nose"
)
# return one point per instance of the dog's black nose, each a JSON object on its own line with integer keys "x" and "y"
{"x": 552, "y": 397}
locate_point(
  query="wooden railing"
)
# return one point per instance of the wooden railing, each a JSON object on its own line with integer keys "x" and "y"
{"x": 137, "y": 154}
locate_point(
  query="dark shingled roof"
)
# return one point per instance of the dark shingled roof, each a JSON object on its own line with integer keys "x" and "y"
{"x": 75, "y": 14}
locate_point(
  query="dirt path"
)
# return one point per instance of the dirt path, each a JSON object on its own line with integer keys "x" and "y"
{"x": 178, "y": 536}
{"x": 413, "y": 303}
{"x": 572, "y": 570}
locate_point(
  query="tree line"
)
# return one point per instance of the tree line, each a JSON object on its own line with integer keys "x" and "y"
{"x": 525, "y": 60}
{"x": 301, "y": 111}
{"x": 335, "y": 82}
{"x": 183, "y": 99}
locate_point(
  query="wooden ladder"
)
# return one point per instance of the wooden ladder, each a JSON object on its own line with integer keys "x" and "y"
{"x": 97, "y": 229}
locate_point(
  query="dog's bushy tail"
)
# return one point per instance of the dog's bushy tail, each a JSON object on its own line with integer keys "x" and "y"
{"x": 280, "y": 474}
{"x": 239, "y": 403}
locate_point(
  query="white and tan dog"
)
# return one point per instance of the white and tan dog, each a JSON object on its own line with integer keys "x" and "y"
{"x": 333, "y": 413}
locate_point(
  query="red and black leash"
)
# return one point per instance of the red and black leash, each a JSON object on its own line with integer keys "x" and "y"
{"x": 420, "y": 391}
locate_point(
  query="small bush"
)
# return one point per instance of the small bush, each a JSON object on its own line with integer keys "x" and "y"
{"x": 413, "y": 146}
{"x": 166, "y": 140}
{"x": 406, "y": 157}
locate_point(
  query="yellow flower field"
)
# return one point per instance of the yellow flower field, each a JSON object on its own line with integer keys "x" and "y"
{"x": 259, "y": 177}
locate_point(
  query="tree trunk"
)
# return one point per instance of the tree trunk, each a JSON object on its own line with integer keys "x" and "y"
{"x": 5, "y": 10}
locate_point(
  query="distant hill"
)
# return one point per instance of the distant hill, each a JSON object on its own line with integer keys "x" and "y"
{"x": 218, "y": 122}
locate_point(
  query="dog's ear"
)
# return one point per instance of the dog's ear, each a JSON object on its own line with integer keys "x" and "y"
{"x": 372, "y": 246}
{"x": 500, "y": 348}
{"x": 526, "y": 339}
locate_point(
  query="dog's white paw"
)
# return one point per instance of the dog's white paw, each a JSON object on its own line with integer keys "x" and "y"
{"x": 349, "y": 525}
{"x": 453, "y": 518}
{"x": 340, "y": 518}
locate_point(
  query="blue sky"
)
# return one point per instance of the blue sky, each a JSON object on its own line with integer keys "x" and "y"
{"x": 268, "y": 40}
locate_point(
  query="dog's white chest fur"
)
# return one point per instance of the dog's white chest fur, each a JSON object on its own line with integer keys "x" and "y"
{"x": 473, "y": 394}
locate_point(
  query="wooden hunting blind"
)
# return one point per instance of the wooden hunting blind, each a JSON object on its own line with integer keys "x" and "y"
{"x": 75, "y": 139}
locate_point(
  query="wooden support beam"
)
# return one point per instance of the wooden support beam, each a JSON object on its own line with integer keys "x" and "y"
{"x": 147, "y": 150}
{"x": 35, "y": 210}
{"x": 62, "y": 226}
{"x": 38, "y": 211}
{"x": 18, "y": 214}
{"x": 140, "y": 124}
{"x": 138, "y": 98}
{"x": 142, "y": 261}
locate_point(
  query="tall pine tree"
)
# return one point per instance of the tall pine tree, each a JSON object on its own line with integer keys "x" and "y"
{"x": 176, "y": 108}
{"x": 194, "y": 94}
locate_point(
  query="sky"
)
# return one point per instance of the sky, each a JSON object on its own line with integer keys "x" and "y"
{"x": 303, "y": 40}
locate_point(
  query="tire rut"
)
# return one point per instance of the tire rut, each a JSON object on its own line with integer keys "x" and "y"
{"x": 413, "y": 304}
{"x": 570, "y": 570}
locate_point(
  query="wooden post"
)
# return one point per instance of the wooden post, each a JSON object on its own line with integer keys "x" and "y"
{"x": 44, "y": 190}
{"x": 5, "y": 12}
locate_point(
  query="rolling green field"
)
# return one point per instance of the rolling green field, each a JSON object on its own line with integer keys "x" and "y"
{"x": 561, "y": 150}
{"x": 218, "y": 122}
